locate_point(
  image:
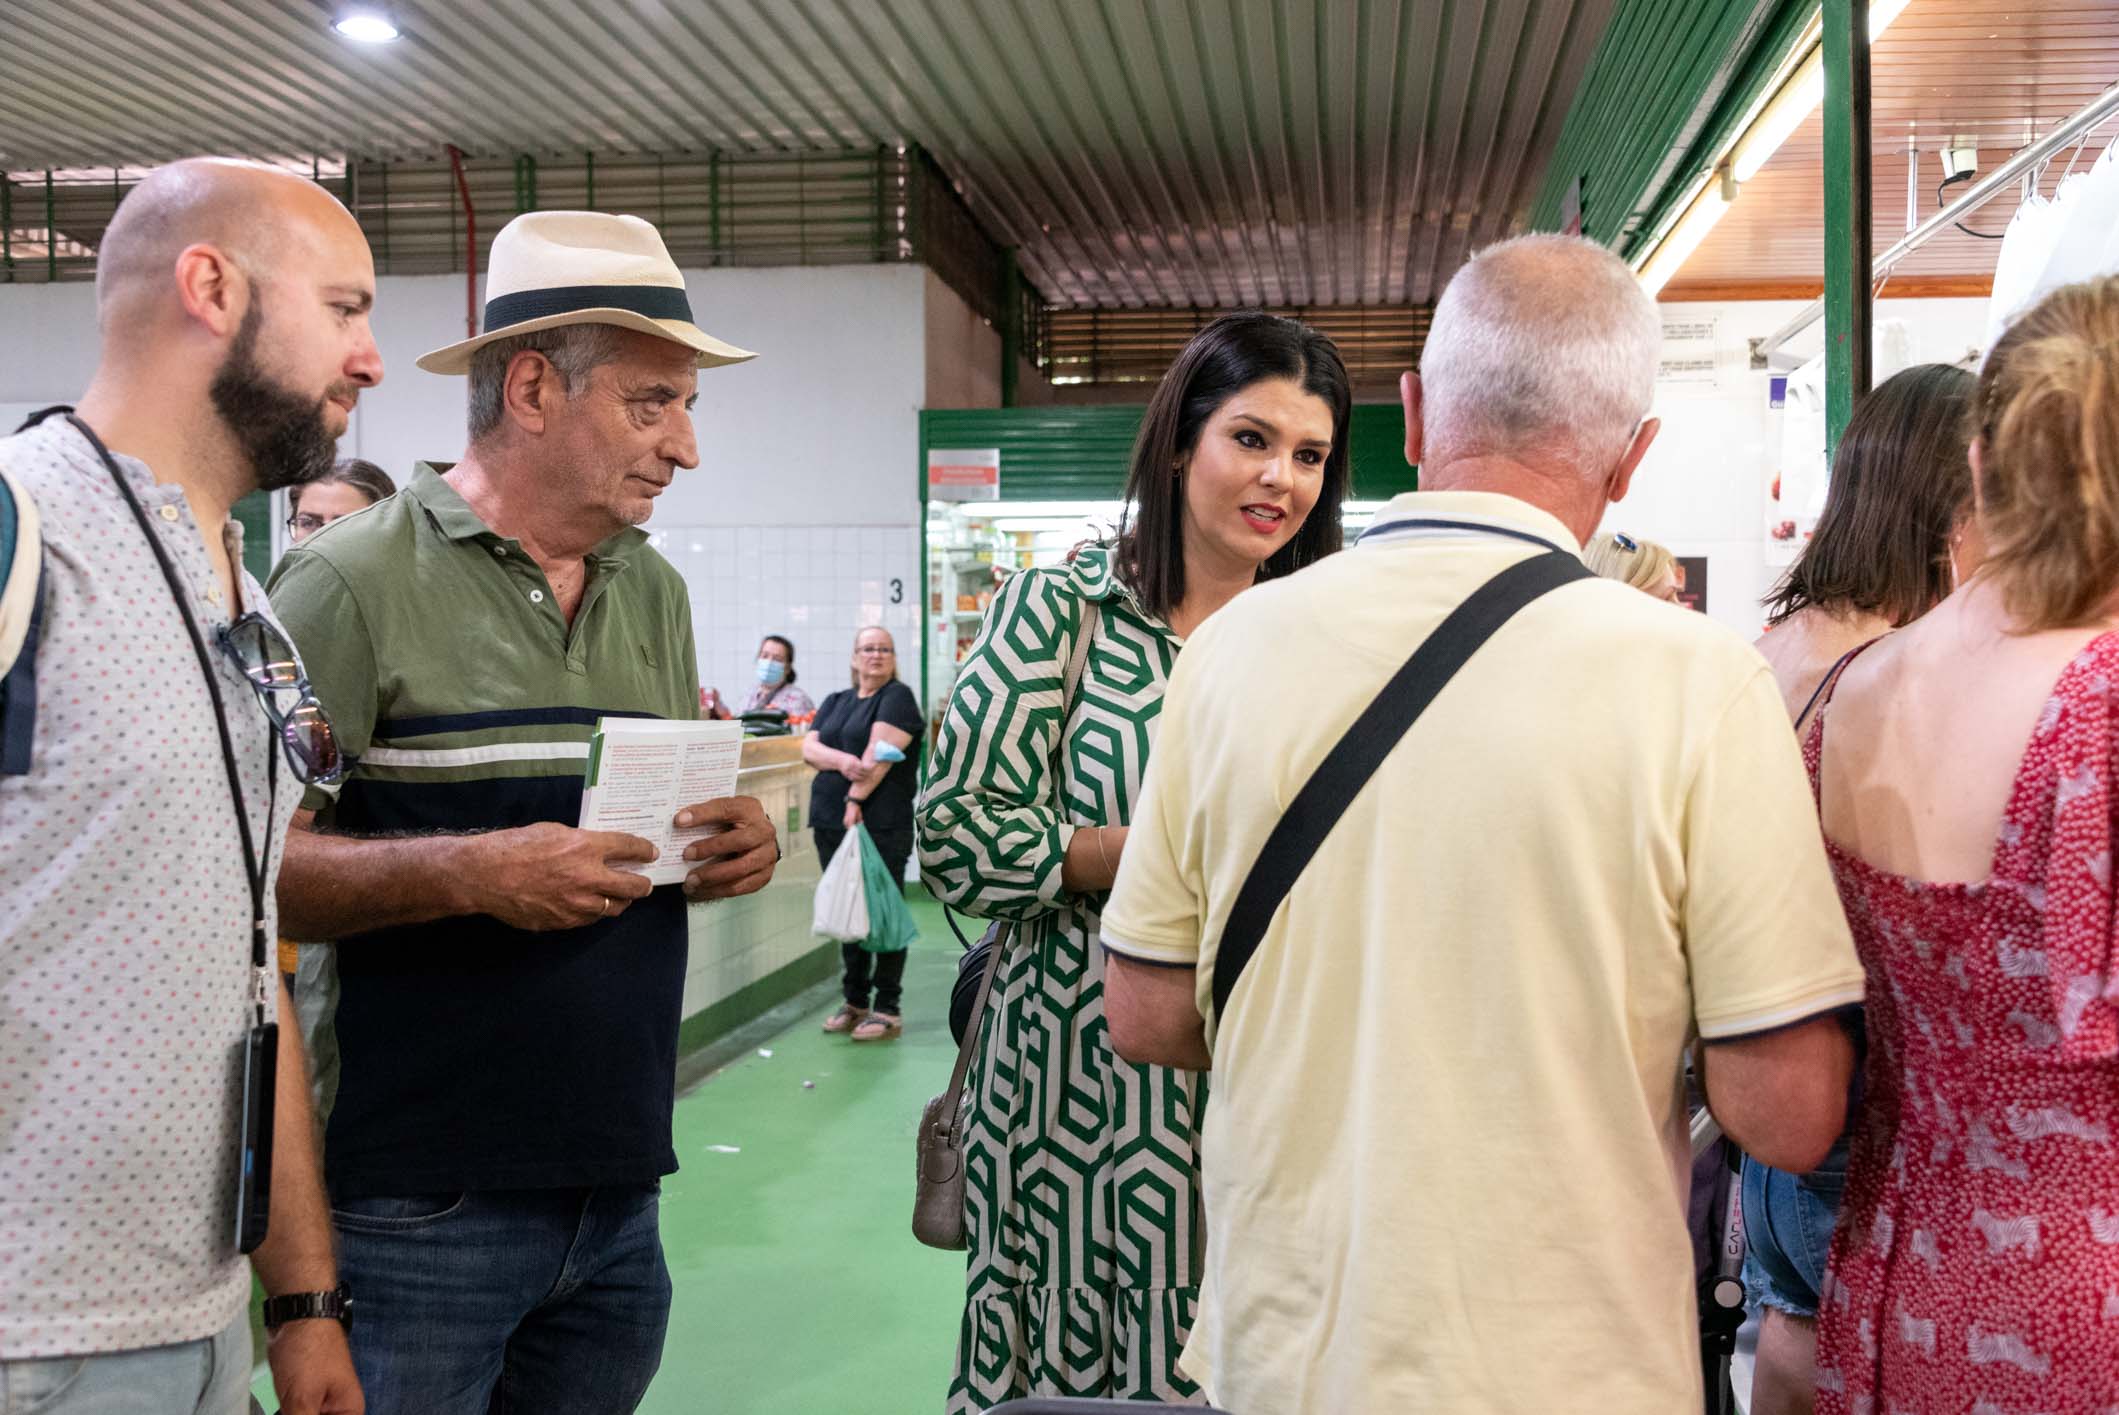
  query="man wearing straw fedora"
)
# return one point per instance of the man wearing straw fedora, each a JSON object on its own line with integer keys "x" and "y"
{"x": 509, "y": 991}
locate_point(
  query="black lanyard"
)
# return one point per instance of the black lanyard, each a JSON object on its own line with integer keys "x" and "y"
{"x": 253, "y": 867}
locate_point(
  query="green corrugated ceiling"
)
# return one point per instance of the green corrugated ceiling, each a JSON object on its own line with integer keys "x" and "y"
{"x": 1664, "y": 92}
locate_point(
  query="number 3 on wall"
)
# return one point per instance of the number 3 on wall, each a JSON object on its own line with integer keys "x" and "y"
{"x": 897, "y": 591}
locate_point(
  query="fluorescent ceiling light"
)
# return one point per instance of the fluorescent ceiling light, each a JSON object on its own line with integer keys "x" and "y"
{"x": 1035, "y": 510}
{"x": 1796, "y": 101}
{"x": 1793, "y": 101}
{"x": 366, "y": 25}
{"x": 1684, "y": 238}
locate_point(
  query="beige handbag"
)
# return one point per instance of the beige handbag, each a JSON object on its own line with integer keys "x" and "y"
{"x": 938, "y": 1197}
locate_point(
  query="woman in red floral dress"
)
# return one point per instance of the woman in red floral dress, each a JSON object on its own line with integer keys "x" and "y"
{"x": 1968, "y": 777}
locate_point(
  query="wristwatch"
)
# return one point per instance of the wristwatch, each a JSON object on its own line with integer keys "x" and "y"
{"x": 300, "y": 1306}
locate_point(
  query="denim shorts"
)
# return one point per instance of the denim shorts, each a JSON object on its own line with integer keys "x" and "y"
{"x": 1788, "y": 1222}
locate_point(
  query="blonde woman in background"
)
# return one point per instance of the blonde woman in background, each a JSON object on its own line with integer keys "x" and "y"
{"x": 1648, "y": 567}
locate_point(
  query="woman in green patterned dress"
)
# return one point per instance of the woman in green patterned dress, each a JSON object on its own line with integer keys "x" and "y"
{"x": 1083, "y": 1205}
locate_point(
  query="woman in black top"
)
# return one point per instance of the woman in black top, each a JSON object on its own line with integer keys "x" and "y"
{"x": 856, "y": 786}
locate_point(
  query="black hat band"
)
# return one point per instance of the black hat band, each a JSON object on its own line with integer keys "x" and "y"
{"x": 654, "y": 301}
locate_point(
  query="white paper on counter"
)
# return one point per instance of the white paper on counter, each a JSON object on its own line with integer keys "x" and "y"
{"x": 643, "y": 771}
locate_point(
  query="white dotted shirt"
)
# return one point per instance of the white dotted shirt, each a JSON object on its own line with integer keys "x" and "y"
{"x": 124, "y": 929}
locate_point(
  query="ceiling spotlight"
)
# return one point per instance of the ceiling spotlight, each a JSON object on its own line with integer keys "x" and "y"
{"x": 366, "y": 24}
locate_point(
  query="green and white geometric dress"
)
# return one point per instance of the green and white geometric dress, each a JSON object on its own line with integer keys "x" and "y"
{"x": 1083, "y": 1194}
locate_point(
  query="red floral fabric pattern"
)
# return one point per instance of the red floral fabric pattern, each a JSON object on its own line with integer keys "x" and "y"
{"x": 1976, "y": 1264}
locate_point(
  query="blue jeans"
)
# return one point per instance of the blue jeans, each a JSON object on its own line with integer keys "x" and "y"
{"x": 210, "y": 1376}
{"x": 512, "y": 1302}
{"x": 1788, "y": 1223}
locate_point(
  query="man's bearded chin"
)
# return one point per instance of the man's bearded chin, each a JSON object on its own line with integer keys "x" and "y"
{"x": 282, "y": 432}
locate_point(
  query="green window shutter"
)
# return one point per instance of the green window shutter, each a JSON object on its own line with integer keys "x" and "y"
{"x": 1082, "y": 453}
{"x": 255, "y": 513}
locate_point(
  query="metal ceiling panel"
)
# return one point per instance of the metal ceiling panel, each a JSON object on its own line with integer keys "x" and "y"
{"x": 1137, "y": 153}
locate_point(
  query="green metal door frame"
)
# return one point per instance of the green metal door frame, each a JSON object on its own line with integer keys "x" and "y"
{"x": 1849, "y": 219}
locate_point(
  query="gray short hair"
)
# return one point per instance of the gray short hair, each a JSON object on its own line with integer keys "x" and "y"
{"x": 573, "y": 349}
{"x": 1544, "y": 342}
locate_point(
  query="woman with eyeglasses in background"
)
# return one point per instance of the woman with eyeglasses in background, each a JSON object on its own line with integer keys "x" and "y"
{"x": 353, "y": 485}
{"x": 865, "y": 745}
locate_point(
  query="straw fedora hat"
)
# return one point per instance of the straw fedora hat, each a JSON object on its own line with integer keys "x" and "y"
{"x": 553, "y": 268}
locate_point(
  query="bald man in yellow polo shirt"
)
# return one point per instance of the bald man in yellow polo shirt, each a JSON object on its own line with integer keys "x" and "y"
{"x": 1445, "y": 1160}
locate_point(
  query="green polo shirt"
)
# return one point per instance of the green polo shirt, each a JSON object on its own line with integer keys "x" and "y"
{"x": 475, "y": 1055}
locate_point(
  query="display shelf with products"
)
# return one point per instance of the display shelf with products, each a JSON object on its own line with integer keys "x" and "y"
{"x": 972, "y": 548}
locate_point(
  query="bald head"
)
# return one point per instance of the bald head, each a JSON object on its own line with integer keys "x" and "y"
{"x": 261, "y": 217}
{"x": 234, "y": 301}
{"x": 1542, "y": 348}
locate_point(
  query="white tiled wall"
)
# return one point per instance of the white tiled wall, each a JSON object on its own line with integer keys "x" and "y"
{"x": 817, "y": 585}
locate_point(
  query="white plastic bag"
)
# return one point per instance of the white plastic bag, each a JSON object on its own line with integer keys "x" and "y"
{"x": 842, "y": 898}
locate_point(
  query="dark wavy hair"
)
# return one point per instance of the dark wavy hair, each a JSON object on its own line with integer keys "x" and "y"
{"x": 1900, "y": 481}
{"x": 1223, "y": 359}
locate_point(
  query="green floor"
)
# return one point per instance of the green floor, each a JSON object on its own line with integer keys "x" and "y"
{"x": 799, "y": 1288}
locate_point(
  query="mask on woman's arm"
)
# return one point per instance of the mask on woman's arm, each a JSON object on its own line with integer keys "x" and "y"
{"x": 771, "y": 671}
{"x": 887, "y": 753}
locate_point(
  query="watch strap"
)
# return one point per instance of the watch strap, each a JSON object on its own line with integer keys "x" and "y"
{"x": 336, "y": 1304}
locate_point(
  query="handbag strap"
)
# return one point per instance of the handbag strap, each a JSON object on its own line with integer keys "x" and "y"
{"x": 1077, "y": 660}
{"x": 952, "y": 1096}
{"x": 1324, "y": 798}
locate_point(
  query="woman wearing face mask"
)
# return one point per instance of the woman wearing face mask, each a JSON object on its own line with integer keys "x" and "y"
{"x": 776, "y": 690}
{"x": 1082, "y": 1213}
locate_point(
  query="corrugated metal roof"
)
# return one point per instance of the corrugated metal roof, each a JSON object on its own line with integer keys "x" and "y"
{"x": 1137, "y": 152}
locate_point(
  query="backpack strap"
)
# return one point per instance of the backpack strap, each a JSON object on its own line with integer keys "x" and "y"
{"x": 1324, "y": 798}
{"x": 21, "y": 623}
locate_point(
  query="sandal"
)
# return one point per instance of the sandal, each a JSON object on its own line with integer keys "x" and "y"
{"x": 845, "y": 1019}
{"x": 879, "y": 1027}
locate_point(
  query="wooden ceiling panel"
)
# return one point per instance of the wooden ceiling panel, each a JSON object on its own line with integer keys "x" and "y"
{"x": 1948, "y": 69}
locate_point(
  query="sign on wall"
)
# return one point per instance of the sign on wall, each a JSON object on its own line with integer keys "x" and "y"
{"x": 960, "y": 474}
{"x": 1692, "y": 582}
{"x": 1690, "y": 351}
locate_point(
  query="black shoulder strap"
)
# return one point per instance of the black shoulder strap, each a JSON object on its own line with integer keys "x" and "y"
{"x": 1349, "y": 765}
{"x": 1831, "y": 677}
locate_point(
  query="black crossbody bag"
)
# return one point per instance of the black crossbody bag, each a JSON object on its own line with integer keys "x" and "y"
{"x": 1324, "y": 798}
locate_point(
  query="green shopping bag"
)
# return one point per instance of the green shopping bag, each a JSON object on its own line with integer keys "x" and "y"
{"x": 890, "y": 925}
